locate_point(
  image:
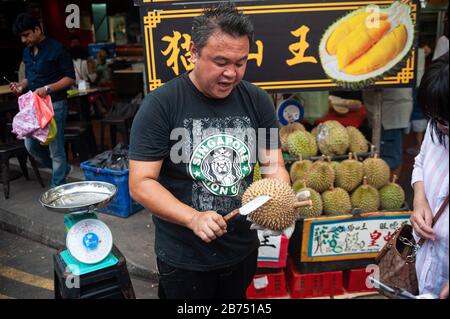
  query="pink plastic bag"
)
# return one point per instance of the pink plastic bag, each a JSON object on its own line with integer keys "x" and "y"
{"x": 44, "y": 109}
{"x": 25, "y": 123}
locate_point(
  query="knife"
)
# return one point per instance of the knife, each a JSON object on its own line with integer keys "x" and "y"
{"x": 255, "y": 203}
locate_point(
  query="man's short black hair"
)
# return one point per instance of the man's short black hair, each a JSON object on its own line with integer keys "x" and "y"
{"x": 223, "y": 18}
{"x": 433, "y": 94}
{"x": 25, "y": 21}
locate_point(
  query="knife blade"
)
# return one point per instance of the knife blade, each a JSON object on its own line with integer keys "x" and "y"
{"x": 248, "y": 208}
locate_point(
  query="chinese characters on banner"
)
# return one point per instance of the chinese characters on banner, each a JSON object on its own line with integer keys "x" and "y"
{"x": 349, "y": 238}
{"x": 286, "y": 54}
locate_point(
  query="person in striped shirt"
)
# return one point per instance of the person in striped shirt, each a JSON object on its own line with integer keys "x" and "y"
{"x": 430, "y": 183}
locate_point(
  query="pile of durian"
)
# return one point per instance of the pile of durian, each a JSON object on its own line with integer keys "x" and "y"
{"x": 337, "y": 188}
{"x": 329, "y": 138}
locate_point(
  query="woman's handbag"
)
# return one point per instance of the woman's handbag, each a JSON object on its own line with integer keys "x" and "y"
{"x": 397, "y": 260}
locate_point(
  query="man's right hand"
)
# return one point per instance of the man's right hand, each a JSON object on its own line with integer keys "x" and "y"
{"x": 422, "y": 219}
{"x": 208, "y": 225}
{"x": 16, "y": 88}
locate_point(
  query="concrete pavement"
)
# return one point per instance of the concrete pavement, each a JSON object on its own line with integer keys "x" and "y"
{"x": 22, "y": 214}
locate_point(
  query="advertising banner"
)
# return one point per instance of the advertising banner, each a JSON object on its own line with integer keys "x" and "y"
{"x": 307, "y": 45}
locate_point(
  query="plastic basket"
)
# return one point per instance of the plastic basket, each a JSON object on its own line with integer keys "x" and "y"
{"x": 355, "y": 280}
{"x": 311, "y": 285}
{"x": 271, "y": 285}
{"x": 122, "y": 204}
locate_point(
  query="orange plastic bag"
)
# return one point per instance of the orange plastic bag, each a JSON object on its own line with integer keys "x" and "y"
{"x": 44, "y": 109}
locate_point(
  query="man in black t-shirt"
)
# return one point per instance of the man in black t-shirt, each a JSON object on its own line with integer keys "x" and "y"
{"x": 194, "y": 143}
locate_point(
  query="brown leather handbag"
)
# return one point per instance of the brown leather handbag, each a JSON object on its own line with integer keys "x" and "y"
{"x": 397, "y": 260}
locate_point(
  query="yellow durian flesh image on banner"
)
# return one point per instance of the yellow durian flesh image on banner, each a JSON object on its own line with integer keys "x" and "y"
{"x": 367, "y": 44}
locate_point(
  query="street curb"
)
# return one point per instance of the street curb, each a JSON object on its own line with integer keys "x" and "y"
{"x": 37, "y": 232}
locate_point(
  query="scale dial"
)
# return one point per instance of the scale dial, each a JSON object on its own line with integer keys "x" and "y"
{"x": 89, "y": 241}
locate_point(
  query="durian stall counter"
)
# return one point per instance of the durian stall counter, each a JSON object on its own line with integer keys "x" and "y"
{"x": 356, "y": 207}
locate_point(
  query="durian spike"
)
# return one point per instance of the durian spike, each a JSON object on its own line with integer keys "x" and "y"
{"x": 303, "y": 203}
{"x": 394, "y": 178}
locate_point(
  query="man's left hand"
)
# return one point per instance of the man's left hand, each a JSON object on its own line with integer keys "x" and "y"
{"x": 268, "y": 232}
{"x": 42, "y": 92}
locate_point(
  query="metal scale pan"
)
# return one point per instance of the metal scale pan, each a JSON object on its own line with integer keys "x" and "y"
{"x": 89, "y": 240}
{"x": 78, "y": 196}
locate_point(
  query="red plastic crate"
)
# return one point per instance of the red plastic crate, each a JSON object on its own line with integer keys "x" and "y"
{"x": 276, "y": 286}
{"x": 313, "y": 284}
{"x": 355, "y": 280}
{"x": 282, "y": 256}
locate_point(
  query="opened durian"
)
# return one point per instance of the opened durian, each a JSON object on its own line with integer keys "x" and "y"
{"x": 286, "y": 130}
{"x": 332, "y": 138}
{"x": 280, "y": 211}
{"x": 349, "y": 174}
{"x": 365, "y": 45}
{"x": 377, "y": 171}
{"x": 366, "y": 198}
{"x": 392, "y": 195}
{"x": 336, "y": 201}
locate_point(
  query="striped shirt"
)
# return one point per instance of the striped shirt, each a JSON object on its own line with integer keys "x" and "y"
{"x": 431, "y": 167}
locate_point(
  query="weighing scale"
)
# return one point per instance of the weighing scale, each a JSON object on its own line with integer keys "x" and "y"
{"x": 88, "y": 240}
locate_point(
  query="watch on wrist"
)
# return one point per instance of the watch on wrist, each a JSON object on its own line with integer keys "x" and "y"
{"x": 48, "y": 90}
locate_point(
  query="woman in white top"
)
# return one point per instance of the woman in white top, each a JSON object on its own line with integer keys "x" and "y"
{"x": 430, "y": 182}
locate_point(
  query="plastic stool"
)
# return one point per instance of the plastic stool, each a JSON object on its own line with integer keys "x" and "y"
{"x": 6, "y": 152}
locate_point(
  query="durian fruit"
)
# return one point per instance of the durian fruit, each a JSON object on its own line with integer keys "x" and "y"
{"x": 280, "y": 211}
{"x": 299, "y": 169}
{"x": 316, "y": 209}
{"x": 336, "y": 201}
{"x": 358, "y": 142}
{"x": 366, "y": 197}
{"x": 359, "y": 41}
{"x": 334, "y": 165}
{"x": 314, "y": 131}
{"x": 257, "y": 172}
{"x": 346, "y": 27}
{"x": 332, "y": 138}
{"x": 286, "y": 130}
{"x": 320, "y": 177}
{"x": 302, "y": 143}
{"x": 392, "y": 195}
{"x": 381, "y": 53}
{"x": 349, "y": 174}
{"x": 377, "y": 171}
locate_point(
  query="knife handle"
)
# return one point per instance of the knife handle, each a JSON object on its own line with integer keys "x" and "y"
{"x": 231, "y": 215}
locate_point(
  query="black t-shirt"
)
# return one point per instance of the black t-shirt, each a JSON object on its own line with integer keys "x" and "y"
{"x": 208, "y": 148}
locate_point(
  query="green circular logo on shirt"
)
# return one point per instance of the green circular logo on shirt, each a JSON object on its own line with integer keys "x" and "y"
{"x": 221, "y": 162}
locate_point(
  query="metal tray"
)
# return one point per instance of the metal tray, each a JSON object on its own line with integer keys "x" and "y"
{"x": 78, "y": 196}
